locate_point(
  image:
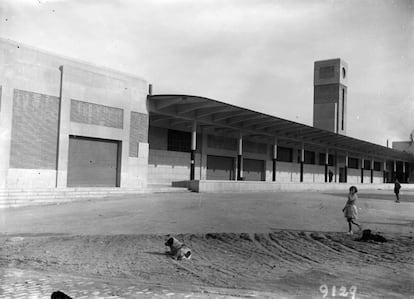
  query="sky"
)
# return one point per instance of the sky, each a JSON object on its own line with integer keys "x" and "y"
{"x": 257, "y": 54}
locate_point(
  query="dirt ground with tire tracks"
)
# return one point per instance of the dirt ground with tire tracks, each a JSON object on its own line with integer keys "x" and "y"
{"x": 259, "y": 245}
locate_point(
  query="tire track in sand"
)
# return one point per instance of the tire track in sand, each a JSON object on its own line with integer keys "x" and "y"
{"x": 263, "y": 242}
{"x": 282, "y": 245}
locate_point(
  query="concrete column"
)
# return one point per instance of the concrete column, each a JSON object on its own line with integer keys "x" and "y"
{"x": 302, "y": 159}
{"x": 394, "y": 171}
{"x": 336, "y": 166}
{"x": 64, "y": 125}
{"x": 404, "y": 174}
{"x": 58, "y": 129}
{"x": 336, "y": 118}
{"x": 372, "y": 171}
{"x": 274, "y": 160}
{"x": 326, "y": 165}
{"x": 203, "y": 166}
{"x": 362, "y": 170}
{"x": 384, "y": 172}
{"x": 6, "y": 113}
{"x": 240, "y": 158}
{"x": 193, "y": 149}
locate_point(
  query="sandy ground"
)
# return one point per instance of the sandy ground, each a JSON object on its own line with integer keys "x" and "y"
{"x": 262, "y": 245}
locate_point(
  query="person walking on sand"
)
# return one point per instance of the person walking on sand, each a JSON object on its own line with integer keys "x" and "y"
{"x": 397, "y": 187}
{"x": 350, "y": 210}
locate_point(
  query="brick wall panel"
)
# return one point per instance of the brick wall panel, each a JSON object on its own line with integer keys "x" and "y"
{"x": 34, "y": 130}
{"x": 94, "y": 114}
{"x": 138, "y": 132}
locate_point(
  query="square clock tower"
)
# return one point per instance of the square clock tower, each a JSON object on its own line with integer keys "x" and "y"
{"x": 330, "y": 95}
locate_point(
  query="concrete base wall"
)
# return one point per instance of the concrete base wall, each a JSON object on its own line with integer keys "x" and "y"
{"x": 31, "y": 178}
{"x": 287, "y": 172}
{"x": 367, "y": 178}
{"x": 378, "y": 177}
{"x": 313, "y": 174}
{"x": 164, "y": 167}
{"x": 354, "y": 176}
{"x": 138, "y": 172}
{"x": 237, "y": 186}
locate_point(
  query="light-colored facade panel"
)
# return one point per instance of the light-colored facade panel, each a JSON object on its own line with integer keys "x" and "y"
{"x": 18, "y": 178}
{"x": 101, "y": 91}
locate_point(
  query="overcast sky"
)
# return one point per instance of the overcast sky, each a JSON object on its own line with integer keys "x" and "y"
{"x": 257, "y": 54}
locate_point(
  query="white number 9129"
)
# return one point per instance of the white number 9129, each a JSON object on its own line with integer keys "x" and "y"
{"x": 340, "y": 291}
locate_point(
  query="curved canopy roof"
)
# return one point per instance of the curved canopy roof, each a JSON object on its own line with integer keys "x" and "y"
{"x": 179, "y": 112}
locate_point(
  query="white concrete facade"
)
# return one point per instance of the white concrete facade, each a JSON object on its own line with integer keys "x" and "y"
{"x": 35, "y": 71}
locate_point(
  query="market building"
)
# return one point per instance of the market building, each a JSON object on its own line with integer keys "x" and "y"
{"x": 66, "y": 124}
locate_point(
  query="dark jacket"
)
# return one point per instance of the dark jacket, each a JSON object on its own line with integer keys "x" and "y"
{"x": 397, "y": 187}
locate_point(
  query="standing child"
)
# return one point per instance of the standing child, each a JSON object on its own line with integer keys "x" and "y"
{"x": 350, "y": 210}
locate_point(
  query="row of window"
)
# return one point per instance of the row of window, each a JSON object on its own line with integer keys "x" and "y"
{"x": 285, "y": 154}
{"x": 180, "y": 141}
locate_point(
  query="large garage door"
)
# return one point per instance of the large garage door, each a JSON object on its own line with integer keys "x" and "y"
{"x": 253, "y": 170}
{"x": 93, "y": 162}
{"x": 220, "y": 168}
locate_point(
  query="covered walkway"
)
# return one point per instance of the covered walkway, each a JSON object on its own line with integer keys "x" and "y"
{"x": 290, "y": 152}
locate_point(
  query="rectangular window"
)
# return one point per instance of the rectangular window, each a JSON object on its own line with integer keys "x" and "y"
{"x": 322, "y": 158}
{"x": 179, "y": 141}
{"x": 331, "y": 160}
{"x": 377, "y": 166}
{"x": 367, "y": 164}
{"x": 309, "y": 157}
{"x": 284, "y": 154}
{"x": 353, "y": 163}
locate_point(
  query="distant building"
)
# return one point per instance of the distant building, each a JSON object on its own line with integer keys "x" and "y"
{"x": 404, "y": 146}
